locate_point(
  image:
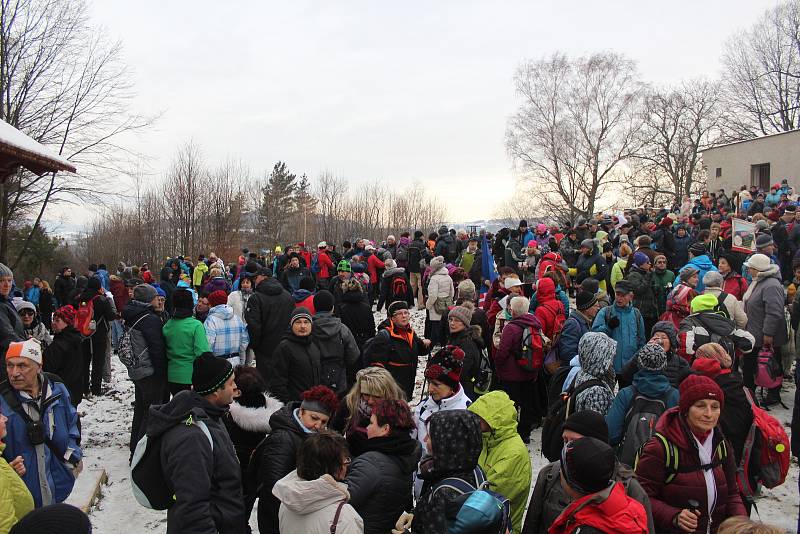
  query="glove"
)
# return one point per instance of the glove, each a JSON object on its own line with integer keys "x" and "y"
{"x": 402, "y": 525}
{"x": 613, "y": 322}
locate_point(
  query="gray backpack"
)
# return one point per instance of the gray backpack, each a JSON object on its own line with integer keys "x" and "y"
{"x": 133, "y": 352}
{"x": 640, "y": 425}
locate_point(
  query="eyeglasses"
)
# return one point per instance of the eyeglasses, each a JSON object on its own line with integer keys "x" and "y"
{"x": 27, "y": 312}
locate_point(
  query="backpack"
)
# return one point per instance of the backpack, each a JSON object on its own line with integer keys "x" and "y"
{"x": 769, "y": 439}
{"x": 672, "y": 461}
{"x": 468, "y": 512}
{"x": 402, "y": 253}
{"x": 367, "y": 348}
{"x": 84, "y": 318}
{"x": 333, "y": 372}
{"x": 459, "y": 485}
{"x": 563, "y": 407}
{"x": 315, "y": 264}
{"x": 768, "y": 372}
{"x": 551, "y": 359}
{"x": 482, "y": 383}
{"x": 721, "y": 308}
{"x": 534, "y": 346}
{"x": 399, "y": 288}
{"x": 640, "y": 425}
{"x": 150, "y": 488}
{"x": 133, "y": 352}
{"x": 452, "y": 250}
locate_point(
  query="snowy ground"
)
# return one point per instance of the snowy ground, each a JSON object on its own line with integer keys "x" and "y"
{"x": 106, "y": 431}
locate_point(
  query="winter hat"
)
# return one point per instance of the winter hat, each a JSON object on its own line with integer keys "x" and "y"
{"x": 209, "y": 373}
{"x": 588, "y": 423}
{"x": 320, "y": 399}
{"x": 437, "y": 263}
{"x": 704, "y": 302}
{"x": 640, "y": 258}
{"x": 466, "y": 289}
{"x": 396, "y": 306}
{"x": 587, "y": 243}
{"x": 322, "y": 244}
{"x": 462, "y": 314}
{"x": 697, "y": 249}
{"x": 761, "y": 224}
{"x": 323, "y": 301}
{"x": 623, "y": 287}
{"x": 585, "y": 300}
{"x": 445, "y": 366}
{"x": 54, "y": 519}
{"x": 595, "y": 348}
{"x": 592, "y": 285}
{"x": 66, "y": 314}
{"x": 217, "y": 298}
{"x": 344, "y": 267}
{"x": 706, "y": 367}
{"x": 93, "y": 284}
{"x": 790, "y": 208}
{"x": 652, "y": 357}
{"x": 687, "y": 272}
{"x": 666, "y": 222}
{"x": 668, "y": 328}
{"x": 712, "y": 279}
{"x": 6, "y": 271}
{"x": 695, "y": 388}
{"x": 588, "y": 465}
{"x": 301, "y": 312}
{"x": 182, "y": 299}
{"x": 144, "y": 293}
{"x": 541, "y": 228}
{"x": 418, "y": 234}
{"x": 763, "y": 240}
{"x": 390, "y": 264}
{"x": 30, "y": 349}
{"x": 351, "y": 284}
{"x": 715, "y": 351}
{"x": 759, "y": 262}
{"x": 24, "y": 305}
{"x": 160, "y": 292}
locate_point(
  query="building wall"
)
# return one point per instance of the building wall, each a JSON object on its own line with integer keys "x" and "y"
{"x": 781, "y": 151}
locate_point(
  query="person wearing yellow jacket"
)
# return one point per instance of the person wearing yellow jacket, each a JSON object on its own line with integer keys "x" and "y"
{"x": 15, "y": 499}
{"x": 504, "y": 457}
{"x": 200, "y": 271}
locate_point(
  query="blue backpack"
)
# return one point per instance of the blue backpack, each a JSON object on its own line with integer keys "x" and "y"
{"x": 315, "y": 264}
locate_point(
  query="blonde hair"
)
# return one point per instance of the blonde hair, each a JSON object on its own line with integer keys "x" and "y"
{"x": 46, "y": 286}
{"x": 625, "y": 250}
{"x": 216, "y": 271}
{"x": 375, "y": 381}
{"x": 745, "y": 525}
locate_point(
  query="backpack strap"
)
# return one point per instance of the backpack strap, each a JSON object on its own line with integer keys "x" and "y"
{"x": 336, "y": 516}
{"x": 672, "y": 458}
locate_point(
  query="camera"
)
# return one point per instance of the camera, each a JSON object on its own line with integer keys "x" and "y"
{"x": 36, "y": 433}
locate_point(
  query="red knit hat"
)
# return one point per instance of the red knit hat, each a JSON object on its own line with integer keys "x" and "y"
{"x": 66, "y": 314}
{"x": 695, "y": 388}
{"x": 707, "y": 367}
{"x": 217, "y": 297}
{"x": 445, "y": 366}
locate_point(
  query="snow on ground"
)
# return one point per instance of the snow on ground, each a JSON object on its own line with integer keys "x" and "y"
{"x": 106, "y": 431}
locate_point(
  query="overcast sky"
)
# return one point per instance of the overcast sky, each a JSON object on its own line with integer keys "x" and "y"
{"x": 399, "y": 91}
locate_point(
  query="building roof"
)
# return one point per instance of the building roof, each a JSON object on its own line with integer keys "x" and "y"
{"x": 763, "y": 137}
{"x": 17, "y": 149}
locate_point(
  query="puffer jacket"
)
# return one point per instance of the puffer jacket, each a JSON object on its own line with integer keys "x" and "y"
{"x": 644, "y": 295}
{"x": 763, "y": 304}
{"x": 356, "y": 314}
{"x": 15, "y": 499}
{"x": 698, "y": 328}
{"x": 457, "y": 446}
{"x": 667, "y": 500}
{"x": 248, "y": 423}
{"x": 504, "y": 458}
{"x": 309, "y": 506}
{"x": 510, "y": 349}
{"x": 205, "y": 480}
{"x": 62, "y": 358}
{"x": 428, "y": 406}
{"x": 549, "y": 308}
{"x": 267, "y": 316}
{"x": 338, "y": 349}
{"x": 296, "y": 367}
{"x": 151, "y": 328}
{"x": 440, "y": 285}
{"x": 471, "y": 342}
{"x": 398, "y": 352}
{"x": 703, "y": 264}
{"x": 379, "y": 480}
{"x": 549, "y": 499}
{"x": 650, "y": 384}
{"x": 663, "y": 282}
{"x": 591, "y": 266}
{"x": 575, "y": 326}
{"x": 610, "y": 510}
{"x": 630, "y": 335}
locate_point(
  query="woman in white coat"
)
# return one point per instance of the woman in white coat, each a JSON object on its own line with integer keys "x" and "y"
{"x": 440, "y": 296}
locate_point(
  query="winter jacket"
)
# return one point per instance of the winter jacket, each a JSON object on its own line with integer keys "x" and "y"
{"x": 226, "y": 332}
{"x": 549, "y": 309}
{"x": 428, "y": 406}
{"x": 38, "y": 331}
{"x": 610, "y": 510}
{"x": 62, "y": 288}
{"x": 447, "y": 247}
{"x": 735, "y": 285}
{"x": 290, "y": 278}
{"x": 440, "y": 285}
{"x": 200, "y": 271}
{"x": 667, "y": 500}
{"x": 218, "y": 283}
{"x": 630, "y": 335}
{"x": 64, "y": 358}
{"x": 549, "y": 499}
{"x": 238, "y": 301}
{"x": 678, "y": 304}
{"x": 644, "y": 294}
{"x": 398, "y": 352}
{"x": 185, "y": 340}
{"x": 595, "y": 365}
{"x": 120, "y": 293}
{"x": 470, "y": 341}
{"x": 303, "y": 298}
{"x": 267, "y": 318}
{"x": 417, "y": 251}
{"x": 11, "y": 328}
{"x": 703, "y": 264}
{"x": 60, "y": 423}
{"x": 379, "y": 480}
{"x": 734, "y": 306}
{"x": 663, "y": 282}
{"x": 665, "y": 243}
{"x": 647, "y": 383}
{"x": 575, "y": 326}
{"x": 103, "y": 310}
{"x": 205, "y": 479}
{"x": 296, "y": 366}
{"x": 248, "y": 424}
{"x": 386, "y": 295}
{"x": 357, "y": 316}
{"x": 374, "y": 264}
{"x": 15, "y": 499}
{"x": 682, "y": 245}
{"x": 457, "y": 446}
{"x": 591, "y": 266}
{"x": 151, "y": 328}
{"x": 504, "y": 457}
{"x": 737, "y": 417}
{"x": 677, "y": 367}
{"x": 309, "y": 506}
{"x": 338, "y": 350}
{"x": 763, "y": 304}
{"x": 513, "y": 255}
{"x": 707, "y": 327}
{"x": 510, "y": 349}
{"x": 326, "y": 266}
{"x": 277, "y": 459}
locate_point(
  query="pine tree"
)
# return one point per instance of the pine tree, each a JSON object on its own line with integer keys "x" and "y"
{"x": 277, "y": 203}
{"x": 305, "y": 206}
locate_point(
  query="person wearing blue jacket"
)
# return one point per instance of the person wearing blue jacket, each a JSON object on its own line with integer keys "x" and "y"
{"x": 649, "y": 381}
{"x": 102, "y": 274}
{"x": 699, "y": 260}
{"x": 49, "y": 457}
{"x": 578, "y": 323}
{"x": 623, "y": 323}
{"x": 33, "y": 293}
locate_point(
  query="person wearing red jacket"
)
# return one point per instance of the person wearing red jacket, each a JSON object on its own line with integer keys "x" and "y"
{"x": 684, "y": 496}
{"x": 549, "y": 308}
{"x": 599, "y": 504}
{"x": 326, "y": 266}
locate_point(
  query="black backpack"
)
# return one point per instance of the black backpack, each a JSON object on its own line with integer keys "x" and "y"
{"x": 640, "y": 425}
{"x": 563, "y": 407}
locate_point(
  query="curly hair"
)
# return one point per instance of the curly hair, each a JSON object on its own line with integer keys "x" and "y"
{"x": 323, "y": 395}
{"x": 393, "y": 412}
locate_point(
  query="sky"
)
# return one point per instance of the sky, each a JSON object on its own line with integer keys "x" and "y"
{"x": 398, "y": 91}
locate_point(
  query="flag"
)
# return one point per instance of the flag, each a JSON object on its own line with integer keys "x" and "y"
{"x": 488, "y": 271}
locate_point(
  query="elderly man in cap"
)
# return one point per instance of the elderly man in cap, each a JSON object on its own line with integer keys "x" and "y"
{"x": 623, "y": 323}
{"x": 11, "y": 328}
{"x": 42, "y": 442}
{"x": 267, "y": 314}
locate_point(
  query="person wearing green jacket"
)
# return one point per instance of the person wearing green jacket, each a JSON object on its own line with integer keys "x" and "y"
{"x": 504, "y": 458}
{"x": 15, "y": 499}
{"x": 200, "y": 271}
{"x": 185, "y": 340}
{"x": 663, "y": 279}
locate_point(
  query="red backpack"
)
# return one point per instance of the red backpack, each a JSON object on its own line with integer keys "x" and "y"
{"x": 534, "y": 346}
{"x": 773, "y": 457}
{"x": 399, "y": 289}
{"x": 84, "y": 318}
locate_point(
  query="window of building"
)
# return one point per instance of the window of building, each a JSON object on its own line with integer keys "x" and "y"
{"x": 719, "y": 172}
{"x": 759, "y": 175}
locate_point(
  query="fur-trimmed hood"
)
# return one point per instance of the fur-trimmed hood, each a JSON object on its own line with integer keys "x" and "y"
{"x": 255, "y": 419}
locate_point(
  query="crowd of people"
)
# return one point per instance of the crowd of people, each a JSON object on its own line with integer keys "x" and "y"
{"x": 648, "y": 345}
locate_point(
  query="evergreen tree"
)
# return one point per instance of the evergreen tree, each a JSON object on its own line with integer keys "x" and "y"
{"x": 277, "y": 203}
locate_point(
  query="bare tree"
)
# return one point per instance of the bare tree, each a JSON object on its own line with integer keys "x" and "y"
{"x": 762, "y": 75}
{"x": 187, "y": 179}
{"x": 578, "y": 120}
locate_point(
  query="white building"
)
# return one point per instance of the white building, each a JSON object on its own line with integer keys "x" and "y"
{"x": 763, "y": 161}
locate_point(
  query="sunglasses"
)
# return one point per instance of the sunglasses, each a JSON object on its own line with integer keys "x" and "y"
{"x": 27, "y": 312}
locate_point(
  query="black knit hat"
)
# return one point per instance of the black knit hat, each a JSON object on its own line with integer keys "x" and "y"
{"x": 698, "y": 249}
{"x": 396, "y": 306}
{"x": 301, "y": 312}
{"x": 54, "y": 519}
{"x": 182, "y": 299}
{"x": 588, "y": 465}
{"x": 588, "y": 423}
{"x": 209, "y": 373}
{"x": 584, "y": 300}
{"x": 323, "y": 301}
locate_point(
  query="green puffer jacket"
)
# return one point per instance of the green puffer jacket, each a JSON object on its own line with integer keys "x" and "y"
{"x": 186, "y": 340}
{"x": 15, "y": 499}
{"x": 504, "y": 457}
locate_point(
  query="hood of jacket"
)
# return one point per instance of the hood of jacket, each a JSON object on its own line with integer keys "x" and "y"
{"x": 545, "y": 290}
{"x": 134, "y": 310}
{"x": 255, "y": 419}
{"x": 166, "y": 273}
{"x": 702, "y": 262}
{"x": 388, "y": 273}
{"x": 223, "y": 311}
{"x": 436, "y": 264}
{"x": 668, "y": 327}
{"x": 456, "y": 440}
{"x": 713, "y": 322}
{"x": 773, "y": 271}
{"x": 162, "y": 418}
{"x": 270, "y": 286}
{"x": 301, "y": 294}
{"x": 653, "y": 384}
{"x": 284, "y": 419}
{"x": 526, "y": 320}
{"x": 326, "y": 326}
{"x": 498, "y": 410}
{"x": 472, "y": 332}
{"x": 305, "y": 497}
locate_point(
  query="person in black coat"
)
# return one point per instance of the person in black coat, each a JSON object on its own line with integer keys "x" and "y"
{"x": 267, "y": 317}
{"x": 468, "y": 338}
{"x": 94, "y": 347}
{"x": 297, "y": 360}
{"x": 355, "y": 312}
{"x": 63, "y": 357}
{"x": 63, "y": 286}
{"x": 275, "y": 456}
{"x": 387, "y": 281}
{"x": 380, "y": 479}
{"x": 165, "y": 282}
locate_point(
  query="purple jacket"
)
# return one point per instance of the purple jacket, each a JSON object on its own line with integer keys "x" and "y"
{"x": 216, "y": 283}
{"x": 505, "y": 357}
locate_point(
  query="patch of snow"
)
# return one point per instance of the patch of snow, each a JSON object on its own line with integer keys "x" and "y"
{"x": 15, "y": 138}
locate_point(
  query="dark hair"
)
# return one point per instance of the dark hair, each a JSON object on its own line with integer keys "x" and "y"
{"x": 394, "y": 413}
{"x": 346, "y": 244}
{"x": 702, "y": 235}
{"x": 321, "y": 454}
{"x": 307, "y": 283}
{"x": 433, "y": 236}
{"x": 251, "y": 386}
{"x": 506, "y": 270}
